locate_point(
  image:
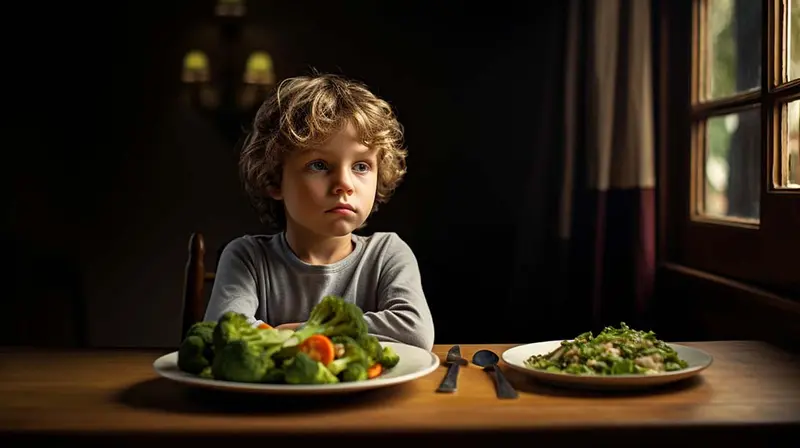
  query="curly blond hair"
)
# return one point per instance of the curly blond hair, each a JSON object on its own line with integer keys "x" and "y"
{"x": 303, "y": 112}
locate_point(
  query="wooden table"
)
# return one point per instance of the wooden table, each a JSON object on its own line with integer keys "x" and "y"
{"x": 114, "y": 398}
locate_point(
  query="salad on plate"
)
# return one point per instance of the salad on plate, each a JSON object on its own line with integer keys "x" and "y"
{"x": 614, "y": 351}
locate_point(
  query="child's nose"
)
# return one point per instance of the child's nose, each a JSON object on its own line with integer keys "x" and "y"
{"x": 343, "y": 184}
{"x": 341, "y": 189}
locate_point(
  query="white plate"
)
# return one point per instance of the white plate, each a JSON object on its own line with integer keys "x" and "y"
{"x": 698, "y": 361}
{"x": 414, "y": 363}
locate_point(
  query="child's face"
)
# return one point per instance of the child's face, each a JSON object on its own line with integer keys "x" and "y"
{"x": 330, "y": 190}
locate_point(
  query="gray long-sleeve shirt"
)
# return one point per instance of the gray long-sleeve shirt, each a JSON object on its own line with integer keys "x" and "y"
{"x": 260, "y": 277}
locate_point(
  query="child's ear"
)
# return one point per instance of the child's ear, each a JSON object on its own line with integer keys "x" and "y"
{"x": 275, "y": 193}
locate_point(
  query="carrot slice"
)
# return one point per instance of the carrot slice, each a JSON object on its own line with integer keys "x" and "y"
{"x": 264, "y": 326}
{"x": 374, "y": 371}
{"x": 319, "y": 348}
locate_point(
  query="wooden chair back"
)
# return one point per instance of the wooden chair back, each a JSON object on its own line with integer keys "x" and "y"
{"x": 195, "y": 280}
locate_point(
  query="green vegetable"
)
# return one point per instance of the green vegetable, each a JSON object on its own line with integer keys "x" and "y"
{"x": 332, "y": 316}
{"x": 275, "y": 375}
{"x": 354, "y": 372}
{"x": 372, "y": 347}
{"x": 615, "y": 351}
{"x": 389, "y": 358}
{"x": 204, "y": 329}
{"x": 234, "y": 327}
{"x": 242, "y": 361}
{"x": 197, "y": 348}
{"x": 191, "y": 356}
{"x": 231, "y": 349}
{"x": 303, "y": 370}
{"x": 242, "y": 351}
{"x": 353, "y": 353}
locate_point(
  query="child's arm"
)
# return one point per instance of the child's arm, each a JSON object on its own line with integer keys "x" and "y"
{"x": 403, "y": 314}
{"x": 234, "y": 284}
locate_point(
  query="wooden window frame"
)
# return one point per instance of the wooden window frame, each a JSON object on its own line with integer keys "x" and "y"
{"x": 766, "y": 253}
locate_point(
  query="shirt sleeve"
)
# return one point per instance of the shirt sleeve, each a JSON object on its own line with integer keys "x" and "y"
{"x": 403, "y": 314}
{"x": 234, "y": 284}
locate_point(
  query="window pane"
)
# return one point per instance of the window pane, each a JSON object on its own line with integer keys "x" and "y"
{"x": 733, "y": 165}
{"x": 790, "y": 152}
{"x": 793, "y": 39}
{"x": 733, "y": 47}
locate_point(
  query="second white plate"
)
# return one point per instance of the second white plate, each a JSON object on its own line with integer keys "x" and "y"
{"x": 515, "y": 357}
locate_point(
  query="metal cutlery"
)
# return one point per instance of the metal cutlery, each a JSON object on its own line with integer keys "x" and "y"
{"x": 488, "y": 360}
{"x": 454, "y": 360}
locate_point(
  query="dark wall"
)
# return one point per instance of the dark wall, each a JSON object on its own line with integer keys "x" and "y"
{"x": 109, "y": 172}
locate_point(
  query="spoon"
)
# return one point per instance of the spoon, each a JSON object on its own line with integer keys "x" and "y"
{"x": 487, "y": 359}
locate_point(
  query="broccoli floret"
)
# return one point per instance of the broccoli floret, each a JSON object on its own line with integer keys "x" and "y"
{"x": 234, "y": 326}
{"x": 376, "y": 353}
{"x": 242, "y": 361}
{"x": 191, "y": 355}
{"x": 332, "y": 316}
{"x": 228, "y": 328}
{"x": 247, "y": 350}
{"x": 197, "y": 348}
{"x": 372, "y": 347}
{"x": 389, "y": 358}
{"x": 354, "y": 372}
{"x": 353, "y": 353}
{"x": 303, "y": 370}
{"x": 274, "y": 376}
{"x": 204, "y": 329}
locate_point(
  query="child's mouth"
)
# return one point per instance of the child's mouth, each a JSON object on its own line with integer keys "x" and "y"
{"x": 341, "y": 211}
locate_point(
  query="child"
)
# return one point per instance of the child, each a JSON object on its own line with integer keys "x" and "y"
{"x": 323, "y": 153}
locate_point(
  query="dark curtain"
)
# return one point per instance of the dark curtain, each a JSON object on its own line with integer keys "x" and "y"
{"x": 593, "y": 263}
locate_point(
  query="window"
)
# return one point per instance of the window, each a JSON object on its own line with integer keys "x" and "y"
{"x": 731, "y": 162}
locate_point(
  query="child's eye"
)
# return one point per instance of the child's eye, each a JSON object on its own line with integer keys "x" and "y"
{"x": 361, "y": 167}
{"x": 316, "y": 165}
